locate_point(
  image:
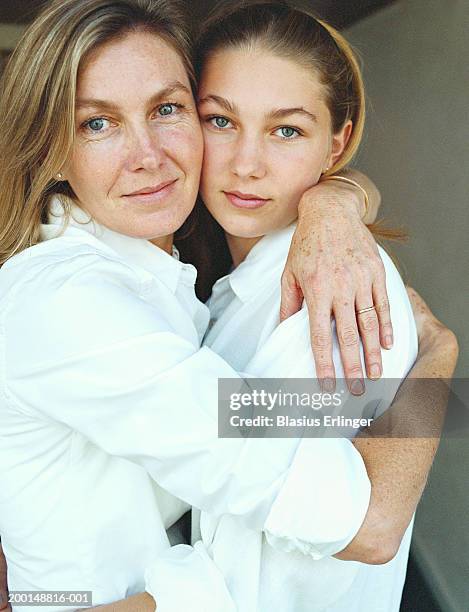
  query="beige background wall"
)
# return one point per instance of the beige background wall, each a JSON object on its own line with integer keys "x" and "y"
{"x": 9, "y": 35}
{"x": 416, "y": 56}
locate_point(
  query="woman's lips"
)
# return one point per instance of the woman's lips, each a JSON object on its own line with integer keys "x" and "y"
{"x": 245, "y": 200}
{"x": 152, "y": 194}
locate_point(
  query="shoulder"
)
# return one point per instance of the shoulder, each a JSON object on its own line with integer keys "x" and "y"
{"x": 70, "y": 292}
{"x": 286, "y": 351}
{"x": 63, "y": 262}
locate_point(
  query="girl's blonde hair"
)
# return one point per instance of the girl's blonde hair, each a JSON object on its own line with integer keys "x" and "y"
{"x": 299, "y": 35}
{"x": 37, "y": 104}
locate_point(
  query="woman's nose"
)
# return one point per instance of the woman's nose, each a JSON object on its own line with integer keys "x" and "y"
{"x": 145, "y": 149}
{"x": 248, "y": 159}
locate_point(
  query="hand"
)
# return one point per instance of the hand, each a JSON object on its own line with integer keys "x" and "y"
{"x": 335, "y": 266}
{"x": 142, "y": 602}
{"x": 4, "y": 605}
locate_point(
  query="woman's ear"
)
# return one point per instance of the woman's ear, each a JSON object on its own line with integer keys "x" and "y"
{"x": 339, "y": 142}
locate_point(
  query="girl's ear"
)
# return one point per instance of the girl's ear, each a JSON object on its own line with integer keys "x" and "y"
{"x": 339, "y": 142}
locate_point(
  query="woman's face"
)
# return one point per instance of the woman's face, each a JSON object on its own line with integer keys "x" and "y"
{"x": 268, "y": 138}
{"x": 135, "y": 164}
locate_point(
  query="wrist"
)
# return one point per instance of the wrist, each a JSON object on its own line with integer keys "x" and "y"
{"x": 356, "y": 193}
{"x": 330, "y": 195}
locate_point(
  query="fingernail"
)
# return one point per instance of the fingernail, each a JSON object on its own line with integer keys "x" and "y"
{"x": 357, "y": 387}
{"x": 328, "y": 385}
{"x": 388, "y": 341}
{"x": 375, "y": 371}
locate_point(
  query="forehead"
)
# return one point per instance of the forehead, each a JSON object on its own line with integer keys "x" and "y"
{"x": 137, "y": 63}
{"x": 262, "y": 80}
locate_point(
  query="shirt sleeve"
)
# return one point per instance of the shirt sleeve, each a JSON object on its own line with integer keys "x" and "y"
{"x": 87, "y": 348}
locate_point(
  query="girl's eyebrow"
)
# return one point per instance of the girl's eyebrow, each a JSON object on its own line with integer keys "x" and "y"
{"x": 281, "y": 113}
{"x": 223, "y": 102}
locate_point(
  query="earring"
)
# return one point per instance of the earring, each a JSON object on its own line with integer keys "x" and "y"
{"x": 60, "y": 176}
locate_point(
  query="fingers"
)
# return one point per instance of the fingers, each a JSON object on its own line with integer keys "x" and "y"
{"x": 368, "y": 326}
{"x": 292, "y": 296}
{"x": 381, "y": 302}
{"x": 4, "y": 605}
{"x": 349, "y": 343}
{"x": 321, "y": 343}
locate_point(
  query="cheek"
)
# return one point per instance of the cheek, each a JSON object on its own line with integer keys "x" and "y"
{"x": 217, "y": 153}
{"x": 93, "y": 168}
{"x": 185, "y": 145}
{"x": 297, "y": 170}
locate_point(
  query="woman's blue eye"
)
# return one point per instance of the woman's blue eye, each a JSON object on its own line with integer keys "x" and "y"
{"x": 166, "y": 109}
{"x": 288, "y": 132}
{"x": 219, "y": 122}
{"x": 96, "y": 125}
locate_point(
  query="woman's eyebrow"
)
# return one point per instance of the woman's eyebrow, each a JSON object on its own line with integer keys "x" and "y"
{"x": 162, "y": 95}
{"x": 281, "y": 113}
{"x": 223, "y": 102}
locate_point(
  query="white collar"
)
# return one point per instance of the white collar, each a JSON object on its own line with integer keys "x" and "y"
{"x": 139, "y": 251}
{"x": 267, "y": 256}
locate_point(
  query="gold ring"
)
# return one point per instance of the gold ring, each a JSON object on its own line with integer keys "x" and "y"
{"x": 366, "y": 310}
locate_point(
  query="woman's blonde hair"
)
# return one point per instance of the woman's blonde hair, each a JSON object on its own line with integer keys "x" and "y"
{"x": 37, "y": 104}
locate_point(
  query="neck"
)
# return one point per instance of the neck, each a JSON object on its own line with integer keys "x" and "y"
{"x": 164, "y": 242}
{"x": 240, "y": 247}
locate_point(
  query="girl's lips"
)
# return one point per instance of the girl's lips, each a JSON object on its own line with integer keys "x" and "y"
{"x": 245, "y": 201}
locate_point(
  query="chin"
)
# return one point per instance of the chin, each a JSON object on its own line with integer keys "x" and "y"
{"x": 245, "y": 228}
{"x": 159, "y": 224}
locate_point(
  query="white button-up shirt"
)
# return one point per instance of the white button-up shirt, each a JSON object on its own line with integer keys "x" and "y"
{"x": 245, "y": 331}
{"x": 104, "y": 393}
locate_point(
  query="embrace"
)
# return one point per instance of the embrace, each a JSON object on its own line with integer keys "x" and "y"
{"x": 175, "y": 210}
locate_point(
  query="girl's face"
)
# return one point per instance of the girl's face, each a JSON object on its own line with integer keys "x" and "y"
{"x": 135, "y": 163}
{"x": 268, "y": 138}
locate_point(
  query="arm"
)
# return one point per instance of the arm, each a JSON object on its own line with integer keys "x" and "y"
{"x": 4, "y": 605}
{"x": 398, "y": 473}
{"x": 398, "y": 466}
{"x": 335, "y": 266}
{"x": 111, "y": 373}
{"x": 143, "y": 602}
{"x": 368, "y": 213}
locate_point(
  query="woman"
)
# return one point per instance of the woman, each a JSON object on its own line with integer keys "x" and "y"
{"x": 106, "y": 393}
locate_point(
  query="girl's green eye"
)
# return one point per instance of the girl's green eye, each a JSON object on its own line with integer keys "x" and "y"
{"x": 166, "y": 109}
{"x": 288, "y": 132}
{"x": 220, "y": 122}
